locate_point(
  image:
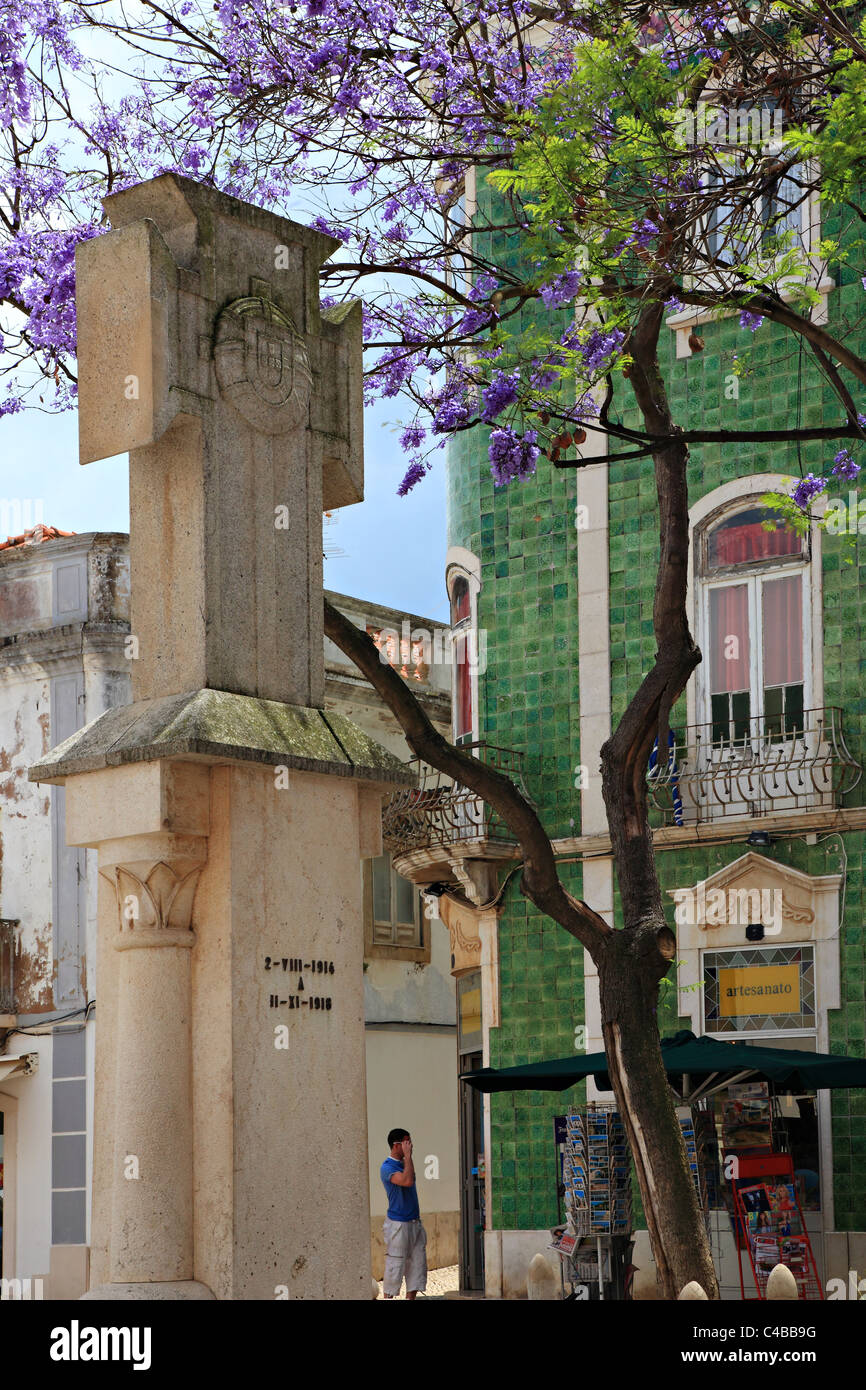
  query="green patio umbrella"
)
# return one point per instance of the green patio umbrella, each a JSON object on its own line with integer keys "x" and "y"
{"x": 696, "y": 1067}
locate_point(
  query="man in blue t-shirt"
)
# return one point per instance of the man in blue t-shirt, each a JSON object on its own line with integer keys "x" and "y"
{"x": 405, "y": 1237}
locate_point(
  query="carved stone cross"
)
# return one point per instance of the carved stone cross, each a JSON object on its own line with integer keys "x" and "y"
{"x": 203, "y": 351}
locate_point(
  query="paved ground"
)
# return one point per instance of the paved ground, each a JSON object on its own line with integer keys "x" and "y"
{"x": 441, "y": 1283}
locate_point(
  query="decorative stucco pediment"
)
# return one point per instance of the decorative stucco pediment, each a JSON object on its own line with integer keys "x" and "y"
{"x": 794, "y": 908}
{"x": 792, "y": 905}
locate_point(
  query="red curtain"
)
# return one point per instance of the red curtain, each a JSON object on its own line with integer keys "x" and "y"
{"x": 783, "y": 631}
{"x": 463, "y": 713}
{"x": 460, "y": 603}
{"x": 738, "y": 545}
{"x": 729, "y": 638}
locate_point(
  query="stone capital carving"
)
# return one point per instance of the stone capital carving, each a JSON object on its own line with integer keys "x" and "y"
{"x": 154, "y": 902}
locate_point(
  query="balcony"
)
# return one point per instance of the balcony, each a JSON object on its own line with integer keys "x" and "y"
{"x": 755, "y": 767}
{"x": 425, "y": 827}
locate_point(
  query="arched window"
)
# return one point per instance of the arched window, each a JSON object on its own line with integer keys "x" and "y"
{"x": 754, "y": 619}
{"x": 465, "y": 664}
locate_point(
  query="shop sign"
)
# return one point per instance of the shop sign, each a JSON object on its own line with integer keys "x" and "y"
{"x": 759, "y": 989}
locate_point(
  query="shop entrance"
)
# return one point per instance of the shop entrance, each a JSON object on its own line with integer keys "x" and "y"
{"x": 471, "y": 1123}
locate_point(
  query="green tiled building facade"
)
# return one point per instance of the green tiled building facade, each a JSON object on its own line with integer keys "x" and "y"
{"x": 521, "y": 545}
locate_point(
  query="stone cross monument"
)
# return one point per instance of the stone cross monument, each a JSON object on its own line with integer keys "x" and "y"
{"x": 228, "y": 811}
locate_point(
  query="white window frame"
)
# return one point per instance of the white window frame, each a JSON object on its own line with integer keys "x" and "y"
{"x": 462, "y": 564}
{"x": 753, "y": 576}
{"x": 685, "y": 320}
{"x": 714, "y": 506}
{"x": 418, "y": 950}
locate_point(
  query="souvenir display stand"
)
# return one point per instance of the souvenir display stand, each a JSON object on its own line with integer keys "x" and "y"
{"x": 597, "y": 1184}
{"x": 771, "y": 1226}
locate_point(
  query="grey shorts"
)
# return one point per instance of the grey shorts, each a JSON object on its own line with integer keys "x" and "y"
{"x": 405, "y": 1257}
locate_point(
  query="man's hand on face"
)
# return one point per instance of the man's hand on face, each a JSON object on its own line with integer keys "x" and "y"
{"x": 406, "y": 1146}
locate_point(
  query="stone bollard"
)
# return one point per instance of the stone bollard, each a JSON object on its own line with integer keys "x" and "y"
{"x": 541, "y": 1280}
{"x": 781, "y": 1283}
{"x": 692, "y": 1290}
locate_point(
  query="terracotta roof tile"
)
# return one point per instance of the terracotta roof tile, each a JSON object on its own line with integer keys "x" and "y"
{"x": 34, "y": 536}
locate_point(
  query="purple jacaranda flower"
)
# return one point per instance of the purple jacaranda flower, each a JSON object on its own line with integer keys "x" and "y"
{"x": 597, "y": 348}
{"x": 452, "y": 407}
{"x": 473, "y": 321}
{"x": 750, "y": 320}
{"x": 561, "y": 290}
{"x": 499, "y": 394}
{"x": 806, "y": 489}
{"x": 512, "y": 456}
{"x": 543, "y": 378}
{"x": 412, "y": 437}
{"x": 845, "y": 466}
{"x": 414, "y": 473}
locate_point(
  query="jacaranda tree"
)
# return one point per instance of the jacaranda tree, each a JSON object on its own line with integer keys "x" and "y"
{"x": 641, "y": 158}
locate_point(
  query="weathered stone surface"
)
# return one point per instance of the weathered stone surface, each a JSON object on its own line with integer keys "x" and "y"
{"x": 231, "y": 938}
{"x": 181, "y": 1290}
{"x": 692, "y": 1291}
{"x": 202, "y": 350}
{"x": 541, "y": 1281}
{"x": 215, "y": 724}
{"x": 781, "y": 1284}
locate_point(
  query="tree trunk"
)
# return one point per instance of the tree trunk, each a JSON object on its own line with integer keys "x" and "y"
{"x": 631, "y": 962}
{"x": 628, "y": 988}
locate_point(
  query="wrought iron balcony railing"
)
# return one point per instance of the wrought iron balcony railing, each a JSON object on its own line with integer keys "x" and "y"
{"x": 754, "y": 767}
{"x": 7, "y": 957}
{"x": 441, "y": 813}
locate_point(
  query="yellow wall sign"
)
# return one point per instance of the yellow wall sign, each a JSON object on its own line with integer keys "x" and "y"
{"x": 470, "y": 1011}
{"x": 759, "y": 989}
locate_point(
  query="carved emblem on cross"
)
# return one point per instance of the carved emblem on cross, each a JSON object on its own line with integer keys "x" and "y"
{"x": 262, "y": 365}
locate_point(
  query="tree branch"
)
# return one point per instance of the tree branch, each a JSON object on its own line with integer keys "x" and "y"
{"x": 541, "y": 881}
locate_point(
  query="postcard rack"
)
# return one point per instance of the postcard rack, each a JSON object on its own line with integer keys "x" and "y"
{"x": 596, "y": 1173}
{"x": 770, "y": 1220}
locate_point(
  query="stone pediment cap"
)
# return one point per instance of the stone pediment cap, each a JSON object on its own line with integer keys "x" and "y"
{"x": 771, "y": 869}
{"x": 220, "y": 726}
{"x": 176, "y": 204}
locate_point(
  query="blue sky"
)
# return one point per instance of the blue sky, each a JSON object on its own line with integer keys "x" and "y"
{"x": 395, "y": 546}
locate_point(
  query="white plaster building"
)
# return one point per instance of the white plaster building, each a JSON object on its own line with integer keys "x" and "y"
{"x": 64, "y": 659}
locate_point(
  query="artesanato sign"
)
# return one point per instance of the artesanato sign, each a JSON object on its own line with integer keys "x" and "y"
{"x": 759, "y": 989}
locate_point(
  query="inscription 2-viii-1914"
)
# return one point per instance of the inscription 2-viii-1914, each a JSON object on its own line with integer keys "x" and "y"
{"x": 296, "y": 965}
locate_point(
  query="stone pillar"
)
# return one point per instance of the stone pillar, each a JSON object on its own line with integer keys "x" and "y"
{"x": 226, "y": 808}
{"x": 151, "y": 1210}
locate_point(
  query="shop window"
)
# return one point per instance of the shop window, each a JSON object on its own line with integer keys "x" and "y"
{"x": 394, "y": 923}
{"x": 755, "y": 628}
{"x": 764, "y": 990}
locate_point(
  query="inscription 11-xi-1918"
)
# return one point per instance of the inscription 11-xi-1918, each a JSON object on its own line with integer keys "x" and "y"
{"x": 301, "y": 999}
